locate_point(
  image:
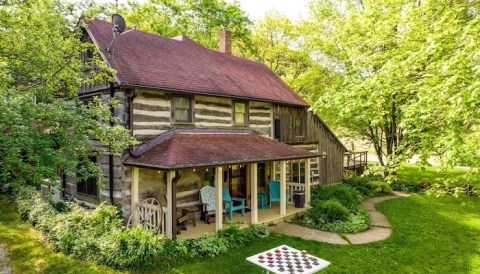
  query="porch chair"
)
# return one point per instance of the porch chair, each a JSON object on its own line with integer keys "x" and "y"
{"x": 207, "y": 199}
{"x": 274, "y": 193}
{"x": 230, "y": 207}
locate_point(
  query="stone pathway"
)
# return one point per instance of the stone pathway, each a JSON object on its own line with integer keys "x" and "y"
{"x": 380, "y": 229}
{"x": 4, "y": 266}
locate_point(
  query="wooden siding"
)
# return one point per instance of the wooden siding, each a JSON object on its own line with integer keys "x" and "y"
{"x": 330, "y": 169}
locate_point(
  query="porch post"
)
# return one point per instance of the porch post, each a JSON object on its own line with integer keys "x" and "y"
{"x": 169, "y": 219}
{"x": 254, "y": 189}
{"x": 134, "y": 191}
{"x": 272, "y": 178}
{"x": 307, "y": 181}
{"x": 283, "y": 188}
{"x": 218, "y": 198}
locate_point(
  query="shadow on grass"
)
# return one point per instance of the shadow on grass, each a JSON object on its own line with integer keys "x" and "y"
{"x": 424, "y": 240}
{"x": 28, "y": 254}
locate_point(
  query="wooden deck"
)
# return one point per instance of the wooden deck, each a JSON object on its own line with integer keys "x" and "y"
{"x": 271, "y": 215}
{"x": 355, "y": 161}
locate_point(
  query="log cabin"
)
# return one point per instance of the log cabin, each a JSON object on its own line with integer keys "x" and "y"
{"x": 204, "y": 118}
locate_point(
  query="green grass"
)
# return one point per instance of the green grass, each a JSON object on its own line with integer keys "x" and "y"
{"x": 28, "y": 254}
{"x": 442, "y": 236}
{"x": 413, "y": 173}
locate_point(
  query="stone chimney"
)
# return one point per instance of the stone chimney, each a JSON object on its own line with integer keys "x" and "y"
{"x": 225, "y": 41}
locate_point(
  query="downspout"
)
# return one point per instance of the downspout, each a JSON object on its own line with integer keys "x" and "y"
{"x": 110, "y": 155}
{"x": 174, "y": 202}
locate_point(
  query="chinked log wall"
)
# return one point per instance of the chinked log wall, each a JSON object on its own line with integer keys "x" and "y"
{"x": 152, "y": 114}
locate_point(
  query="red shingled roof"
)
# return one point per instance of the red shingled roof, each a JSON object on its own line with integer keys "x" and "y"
{"x": 179, "y": 64}
{"x": 183, "y": 148}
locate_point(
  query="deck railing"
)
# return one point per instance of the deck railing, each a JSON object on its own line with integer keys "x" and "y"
{"x": 354, "y": 160}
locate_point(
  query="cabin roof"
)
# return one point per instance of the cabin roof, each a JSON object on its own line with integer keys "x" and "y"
{"x": 179, "y": 64}
{"x": 186, "y": 148}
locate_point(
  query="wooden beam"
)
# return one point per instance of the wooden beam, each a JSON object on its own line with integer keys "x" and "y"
{"x": 218, "y": 198}
{"x": 134, "y": 190}
{"x": 254, "y": 189}
{"x": 308, "y": 181}
{"x": 283, "y": 188}
{"x": 170, "y": 210}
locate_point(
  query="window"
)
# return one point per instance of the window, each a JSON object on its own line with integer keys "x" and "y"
{"x": 88, "y": 185}
{"x": 240, "y": 113}
{"x": 299, "y": 126}
{"x": 298, "y": 172}
{"x": 277, "y": 129}
{"x": 182, "y": 109}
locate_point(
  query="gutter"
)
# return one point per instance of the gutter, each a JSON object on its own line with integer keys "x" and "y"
{"x": 110, "y": 155}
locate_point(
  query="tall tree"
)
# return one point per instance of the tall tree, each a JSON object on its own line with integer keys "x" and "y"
{"x": 410, "y": 78}
{"x": 201, "y": 20}
{"x": 44, "y": 129}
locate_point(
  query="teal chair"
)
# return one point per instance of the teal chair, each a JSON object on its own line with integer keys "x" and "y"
{"x": 274, "y": 193}
{"x": 230, "y": 207}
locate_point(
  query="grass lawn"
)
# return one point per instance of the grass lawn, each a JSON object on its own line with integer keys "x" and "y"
{"x": 442, "y": 236}
{"x": 28, "y": 254}
{"x": 413, "y": 173}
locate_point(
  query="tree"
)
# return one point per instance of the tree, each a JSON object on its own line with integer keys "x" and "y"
{"x": 200, "y": 20}
{"x": 45, "y": 129}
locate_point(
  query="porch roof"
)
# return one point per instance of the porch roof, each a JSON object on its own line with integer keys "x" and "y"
{"x": 185, "y": 148}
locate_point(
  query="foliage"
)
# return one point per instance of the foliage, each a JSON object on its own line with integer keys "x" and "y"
{"x": 45, "y": 129}
{"x": 200, "y": 20}
{"x": 409, "y": 187}
{"x": 97, "y": 235}
{"x": 369, "y": 186}
{"x": 207, "y": 245}
{"x": 342, "y": 193}
{"x": 409, "y": 73}
{"x": 326, "y": 211}
{"x": 452, "y": 188}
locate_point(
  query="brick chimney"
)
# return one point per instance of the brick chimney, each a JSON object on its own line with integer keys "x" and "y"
{"x": 225, "y": 41}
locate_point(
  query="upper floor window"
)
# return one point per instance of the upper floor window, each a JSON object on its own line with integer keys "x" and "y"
{"x": 299, "y": 128}
{"x": 182, "y": 109}
{"x": 240, "y": 113}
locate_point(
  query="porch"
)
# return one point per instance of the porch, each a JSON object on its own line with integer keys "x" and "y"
{"x": 265, "y": 216}
{"x": 178, "y": 164}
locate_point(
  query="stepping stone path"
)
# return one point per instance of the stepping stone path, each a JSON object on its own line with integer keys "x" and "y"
{"x": 4, "y": 267}
{"x": 380, "y": 229}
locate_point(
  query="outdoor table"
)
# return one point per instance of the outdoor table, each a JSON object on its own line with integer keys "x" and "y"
{"x": 285, "y": 259}
{"x": 262, "y": 200}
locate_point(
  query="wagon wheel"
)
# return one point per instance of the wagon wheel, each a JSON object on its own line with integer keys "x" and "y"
{"x": 147, "y": 214}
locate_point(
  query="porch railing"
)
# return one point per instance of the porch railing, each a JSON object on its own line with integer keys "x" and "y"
{"x": 354, "y": 160}
{"x": 291, "y": 187}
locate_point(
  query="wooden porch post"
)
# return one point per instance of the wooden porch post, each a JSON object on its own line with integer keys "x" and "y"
{"x": 254, "y": 189}
{"x": 307, "y": 181}
{"x": 218, "y": 198}
{"x": 134, "y": 190}
{"x": 273, "y": 172}
{"x": 169, "y": 220}
{"x": 283, "y": 188}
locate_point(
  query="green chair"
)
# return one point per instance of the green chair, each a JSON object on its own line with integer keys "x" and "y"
{"x": 274, "y": 193}
{"x": 230, "y": 202}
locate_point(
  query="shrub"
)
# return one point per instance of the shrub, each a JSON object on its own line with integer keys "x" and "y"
{"x": 380, "y": 188}
{"x": 344, "y": 194}
{"x": 369, "y": 186}
{"x": 207, "y": 245}
{"x": 326, "y": 211}
{"x": 257, "y": 231}
{"x": 130, "y": 248}
{"x": 356, "y": 222}
{"x": 409, "y": 187}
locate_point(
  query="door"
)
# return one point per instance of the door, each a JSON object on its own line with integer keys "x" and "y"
{"x": 238, "y": 181}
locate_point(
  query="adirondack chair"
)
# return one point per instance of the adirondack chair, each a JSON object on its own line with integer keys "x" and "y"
{"x": 230, "y": 202}
{"x": 274, "y": 192}
{"x": 207, "y": 198}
